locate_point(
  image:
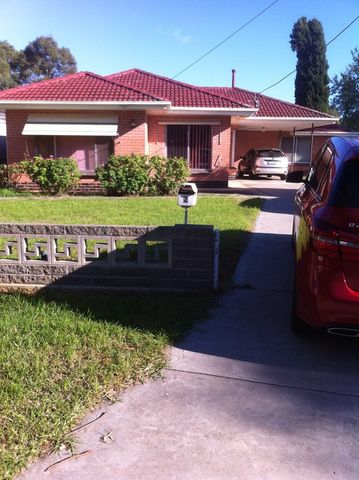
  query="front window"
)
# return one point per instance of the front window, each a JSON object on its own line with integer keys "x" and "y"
{"x": 192, "y": 142}
{"x": 89, "y": 152}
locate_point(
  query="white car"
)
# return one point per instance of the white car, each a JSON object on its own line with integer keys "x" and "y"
{"x": 264, "y": 161}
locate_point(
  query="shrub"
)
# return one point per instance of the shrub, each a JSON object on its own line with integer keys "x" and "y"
{"x": 53, "y": 175}
{"x": 167, "y": 174}
{"x": 124, "y": 175}
{"x": 10, "y": 174}
{"x": 139, "y": 174}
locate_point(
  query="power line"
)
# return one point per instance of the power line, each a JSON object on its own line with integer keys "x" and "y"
{"x": 225, "y": 40}
{"x": 326, "y": 45}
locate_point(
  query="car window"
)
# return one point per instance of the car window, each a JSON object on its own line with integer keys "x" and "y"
{"x": 270, "y": 153}
{"x": 328, "y": 172}
{"x": 346, "y": 188}
{"x": 319, "y": 167}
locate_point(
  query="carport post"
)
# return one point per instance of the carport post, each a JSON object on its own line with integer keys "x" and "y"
{"x": 293, "y": 149}
{"x": 311, "y": 145}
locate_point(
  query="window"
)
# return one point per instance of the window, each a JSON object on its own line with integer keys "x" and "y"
{"x": 45, "y": 146}
{"x": 89, "y": 152}
{"x": 192, "y": 142}
{"x": 301, "y": 149}
{"x": 270, "y": 153}
{"x": 346, "y": 192}
{"x": 320, "y": 167}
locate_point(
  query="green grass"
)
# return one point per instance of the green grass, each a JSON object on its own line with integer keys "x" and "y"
{"x": 11, "y": 192}
{"x": 61, "y": 353}
{"x": 232, "y": 214}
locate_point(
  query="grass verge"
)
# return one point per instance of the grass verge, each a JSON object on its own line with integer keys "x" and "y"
{"x": 62, "y": 353}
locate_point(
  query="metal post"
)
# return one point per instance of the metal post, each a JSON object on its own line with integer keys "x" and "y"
{"x": 186, "y": 216}
{"x": 311, "y": 145}
{"x": 293, "y": 150}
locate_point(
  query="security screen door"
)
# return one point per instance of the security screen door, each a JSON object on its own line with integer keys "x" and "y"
{"x": 193, "y": 142}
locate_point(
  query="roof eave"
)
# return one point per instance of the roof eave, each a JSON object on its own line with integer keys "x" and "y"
{"x": 284, "y": 124}
{"x": 81, "y": 105}
{"x": 241, "y": 112}
{"x": 327, "y": 119}
{"x": 326, "y": 134}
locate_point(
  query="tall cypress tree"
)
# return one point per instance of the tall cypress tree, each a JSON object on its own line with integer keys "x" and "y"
{"x": 312, "y": 81}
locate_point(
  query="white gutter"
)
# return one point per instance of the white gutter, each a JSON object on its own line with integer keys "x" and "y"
{"x": 326, "y": 134}
{"x": 240, "y": 112}
{"x": 80, "y": 105}
{"x": 115, "y": 105}
{"x": 312, "y": 119}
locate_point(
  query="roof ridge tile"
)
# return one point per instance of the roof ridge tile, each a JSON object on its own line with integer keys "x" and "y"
{"x": 114, "y": 82}
{"x": 176, "y": 82}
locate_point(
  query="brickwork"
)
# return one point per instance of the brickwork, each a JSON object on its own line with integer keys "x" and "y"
{"x": 189, "y": 265}
{"x": 18, "y": 146}
{"x": 132, "y": 133}
{"x": 246, "y": 139}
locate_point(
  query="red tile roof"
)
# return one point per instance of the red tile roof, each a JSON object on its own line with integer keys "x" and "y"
{"x": 178, "y": 93}
{"x": 332, "y": 129}
{"x": 268, "y": 106}
{"x": 79, "y": 87}
{"x": 138, "y": 85}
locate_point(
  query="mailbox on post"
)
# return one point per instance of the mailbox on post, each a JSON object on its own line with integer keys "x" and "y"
{"x": 187, "y": 197}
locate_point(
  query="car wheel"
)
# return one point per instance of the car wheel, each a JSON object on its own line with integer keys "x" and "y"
{"x": 283, "y": 177}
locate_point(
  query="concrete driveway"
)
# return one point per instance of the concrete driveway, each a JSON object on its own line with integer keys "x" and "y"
{"x": 243, "y": 397}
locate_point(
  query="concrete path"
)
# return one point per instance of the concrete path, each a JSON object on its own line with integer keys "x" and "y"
{"x": 243, "y": 398}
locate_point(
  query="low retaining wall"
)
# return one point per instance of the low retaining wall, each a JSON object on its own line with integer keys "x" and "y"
{"x": 178, "y": 258}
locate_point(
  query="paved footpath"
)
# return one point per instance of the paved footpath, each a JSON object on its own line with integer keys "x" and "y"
{"x": 243, "y": 398}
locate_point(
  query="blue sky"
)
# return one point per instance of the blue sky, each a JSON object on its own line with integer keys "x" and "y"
{"x": 162, "y": 36}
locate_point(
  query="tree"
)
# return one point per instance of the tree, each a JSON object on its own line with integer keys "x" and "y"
{"x": 41, "y": 59}
{"x": 10, "y": 60}
{"x": 345, "y": 93}
{"x": 312, "y": 81}
{"x": 44, "y": 59}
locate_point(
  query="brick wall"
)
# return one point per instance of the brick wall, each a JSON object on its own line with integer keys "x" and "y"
{"x": 246, "y": 139}
{"x": 131, "y": 139}
{"x": 18, "y": 146}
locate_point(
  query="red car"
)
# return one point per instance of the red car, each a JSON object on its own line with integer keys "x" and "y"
{"x": 326, "y": 242}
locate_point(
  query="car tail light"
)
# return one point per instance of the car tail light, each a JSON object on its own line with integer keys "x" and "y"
{"x": 325, "y": 242}
{"x": 351, "y": 249}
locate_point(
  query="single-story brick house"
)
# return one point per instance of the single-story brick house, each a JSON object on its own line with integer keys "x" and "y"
{"x": 88, "y": 116}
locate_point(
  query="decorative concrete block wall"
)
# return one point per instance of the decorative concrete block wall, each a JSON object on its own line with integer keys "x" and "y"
{"x": 178, "y": 258}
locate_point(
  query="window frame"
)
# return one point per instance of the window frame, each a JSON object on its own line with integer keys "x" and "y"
{"x": 188, "y": 144}
{"x": 95, "y": 150}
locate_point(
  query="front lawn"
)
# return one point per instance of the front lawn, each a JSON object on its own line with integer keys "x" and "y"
{"x": 62, "y": 353}
{"x": 232, "y": 214}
